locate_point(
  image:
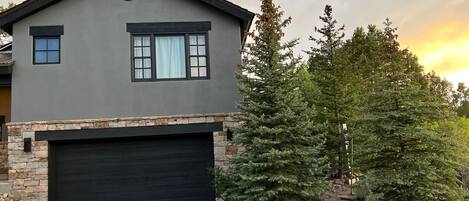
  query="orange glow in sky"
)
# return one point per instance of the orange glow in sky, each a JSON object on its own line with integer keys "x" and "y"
{"x": 443, "y": 49}
{"x": 436, "y": 31}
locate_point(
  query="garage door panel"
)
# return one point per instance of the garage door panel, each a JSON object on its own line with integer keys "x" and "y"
{"x": 169, "y": 168}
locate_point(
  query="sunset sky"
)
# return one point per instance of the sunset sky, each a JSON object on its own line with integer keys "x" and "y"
{"x": 437, "y": 31}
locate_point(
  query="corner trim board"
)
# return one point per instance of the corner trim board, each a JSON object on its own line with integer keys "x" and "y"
{"x": 126, "y": 132}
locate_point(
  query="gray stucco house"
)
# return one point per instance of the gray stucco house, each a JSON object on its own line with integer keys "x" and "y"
{"x": 117, "y": 100}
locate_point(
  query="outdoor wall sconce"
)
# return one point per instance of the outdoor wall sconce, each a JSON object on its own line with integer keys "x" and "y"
{"x": 229, "y": 135}
{"x": 27, "y": 145}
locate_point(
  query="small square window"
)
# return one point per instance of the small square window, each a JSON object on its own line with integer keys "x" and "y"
{"x": 46, "y": 50}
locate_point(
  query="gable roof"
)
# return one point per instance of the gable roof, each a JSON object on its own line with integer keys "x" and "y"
{"x": 5, "y": 64}
{"x": 30, "y": 7}
{"x": 6, "y": 47}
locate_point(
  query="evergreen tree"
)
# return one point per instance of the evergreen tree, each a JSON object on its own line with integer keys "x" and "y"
{"x": 361, "y": 60}
{"x": 361, "y": 54}
{"x": 280, "y": 160}
{"x": 461, "y": 100}
{"x": 440, "y": 89}
{"x": 402, "y": 157}
{"x": 337, "y": 97}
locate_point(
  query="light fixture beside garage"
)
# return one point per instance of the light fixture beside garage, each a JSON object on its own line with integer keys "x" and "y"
{"x": 229, "y": 135}
{"x": 27, "y": 145}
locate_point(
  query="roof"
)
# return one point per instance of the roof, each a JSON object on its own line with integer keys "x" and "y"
{"x": 5, "y": 59}
{"x": 29, "y": 7}
{"x": 6, "y": 47}
{"x": 6, "y": 64}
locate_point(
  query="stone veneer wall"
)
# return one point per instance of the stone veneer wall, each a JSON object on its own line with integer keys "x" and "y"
{"x": 28, "y": 172}
{"x": 3, "y": 157}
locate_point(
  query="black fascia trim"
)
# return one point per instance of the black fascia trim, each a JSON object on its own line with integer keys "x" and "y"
{"x": 232, "y": 9}
{"x": 57, "y": 30}
{"x": 30, "y": 7}
{"x": 22, "y": 11}
{"x": 146, "y": 131}
{"x": 6, "y": 47}
{"x": 169, "y": 27}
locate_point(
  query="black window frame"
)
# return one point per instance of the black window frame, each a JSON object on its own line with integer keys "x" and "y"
{"x": 59, "y": 49}
{"x": 206, "y": 55}
{"x": 153, "y": 56}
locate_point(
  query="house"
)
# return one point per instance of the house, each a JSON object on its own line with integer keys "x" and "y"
{"x": 119, "y": 99}
{"x": 5, "y": 83}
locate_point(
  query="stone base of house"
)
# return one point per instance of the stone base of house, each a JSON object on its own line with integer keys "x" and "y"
{"x": 3, "y": 161}
{"x": 28, "y": 172}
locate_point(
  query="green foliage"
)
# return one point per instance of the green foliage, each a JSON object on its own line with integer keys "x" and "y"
{"x": 308, "y": 88}
{"x": 461, "y": 100}
{"x": 461, "y": 129}
{"x": 454, "y": 155}
{"x": 280, "y": 161}
{"x": 336, "y": 98}
{"x": 401, "y": 155}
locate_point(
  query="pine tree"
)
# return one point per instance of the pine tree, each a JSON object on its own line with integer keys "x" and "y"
{"x": 461, "y": 100}
{"x": 337, "y": 98}
{"x": 401, "y": 156}
{"x": 280, "y": 161}
{"x": 361, "y": 51}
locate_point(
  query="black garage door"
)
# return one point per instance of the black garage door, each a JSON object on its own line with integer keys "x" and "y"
{"x": 164, "y": 168}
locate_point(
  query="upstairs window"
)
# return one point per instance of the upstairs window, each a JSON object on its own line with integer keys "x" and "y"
{"x": 170, "y": 57}
{"x": 46, "y": 43}
{"x": 198, "y": 55}
{"x": 169, "y": 50}
{"x": 47, "y": 50}
{"x": 142, "y": 57}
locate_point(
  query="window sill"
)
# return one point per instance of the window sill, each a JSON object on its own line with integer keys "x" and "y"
{"x": 42, "y": 64}
{"x": 171, "y": 79}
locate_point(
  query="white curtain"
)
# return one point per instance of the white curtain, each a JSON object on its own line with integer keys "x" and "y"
{"x": 170, "y": 57}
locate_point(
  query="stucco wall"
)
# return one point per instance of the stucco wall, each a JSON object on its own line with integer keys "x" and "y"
{"x": 93, "y": 79}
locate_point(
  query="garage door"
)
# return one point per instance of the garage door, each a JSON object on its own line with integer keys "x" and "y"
{"x": 163, "y": 168}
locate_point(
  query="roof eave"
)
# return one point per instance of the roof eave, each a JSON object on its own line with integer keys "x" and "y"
{"x": 29, "y": 7}
{"x": 245, "y": 16}
{"x": 22, "y": 11}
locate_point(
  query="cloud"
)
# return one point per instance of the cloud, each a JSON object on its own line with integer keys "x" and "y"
{"x": 442, "y": 47}
{"x": 434, "y": 30}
